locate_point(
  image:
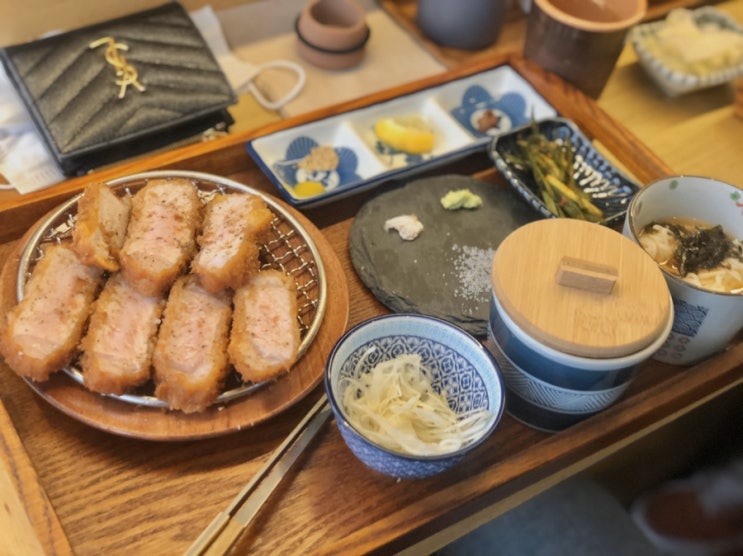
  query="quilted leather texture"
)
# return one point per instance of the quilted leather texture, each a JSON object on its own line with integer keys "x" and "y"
{"x": 71, "y": 89}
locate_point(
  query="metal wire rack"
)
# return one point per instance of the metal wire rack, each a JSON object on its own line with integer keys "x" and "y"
{"x": 288, "y": 247}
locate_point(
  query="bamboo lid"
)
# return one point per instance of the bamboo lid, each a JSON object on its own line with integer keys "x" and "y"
{"x": 581, "y": 288}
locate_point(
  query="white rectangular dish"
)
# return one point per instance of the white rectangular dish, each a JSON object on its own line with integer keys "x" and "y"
{"x": 328, "y": 159}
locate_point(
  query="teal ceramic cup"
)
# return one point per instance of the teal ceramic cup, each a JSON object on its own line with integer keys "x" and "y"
{"x": 466, "y": 24}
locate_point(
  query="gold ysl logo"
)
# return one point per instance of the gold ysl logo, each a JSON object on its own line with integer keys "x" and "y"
{"x": 125, "y": 72}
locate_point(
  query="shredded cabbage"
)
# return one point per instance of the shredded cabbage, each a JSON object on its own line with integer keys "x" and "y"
{"x": 395, "y": 405}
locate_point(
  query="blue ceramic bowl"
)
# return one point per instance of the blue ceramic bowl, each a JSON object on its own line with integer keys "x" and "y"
{"x": 545, "y": 406}
{"x": 459, "y": 364}
{"x": 552, "y": 390}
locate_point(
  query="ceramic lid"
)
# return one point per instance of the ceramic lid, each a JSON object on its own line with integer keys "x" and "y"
{"x": 581, "y": 288}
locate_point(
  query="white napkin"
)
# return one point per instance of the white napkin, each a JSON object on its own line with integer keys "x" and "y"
{"x": 240, "y": 73}
{"x": 24, "y": 160}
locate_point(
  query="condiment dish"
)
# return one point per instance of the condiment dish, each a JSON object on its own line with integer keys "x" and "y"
{"x": 451, "y": 110}
{"x": 609, "y": 188}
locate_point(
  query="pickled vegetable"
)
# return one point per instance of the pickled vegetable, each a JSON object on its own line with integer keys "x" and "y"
{"x": 551, "y": 163}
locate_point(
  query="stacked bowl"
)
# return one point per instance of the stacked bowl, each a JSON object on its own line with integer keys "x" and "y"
{"x": 708, "y": 314}
{"x": 576, "y": 308}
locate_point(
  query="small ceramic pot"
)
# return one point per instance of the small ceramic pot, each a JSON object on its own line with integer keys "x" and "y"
{"x": 332, "y": 34}
{"x": 705, "y": 321}
{"x": 572, "y": 320}
{"x": 545, "y": 406}
{"x": 551, "y": 390}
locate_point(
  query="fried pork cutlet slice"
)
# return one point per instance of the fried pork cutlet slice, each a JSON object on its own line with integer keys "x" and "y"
{"x": 160, "y": 239}
{"x": 117, "y": 348}
{"x": 102, "y": 218}
{"x": 42, "y": 332}
{"x": 234, "y": 225}
{"x": 190, "y": 359}
{"x": 265, "y": 336}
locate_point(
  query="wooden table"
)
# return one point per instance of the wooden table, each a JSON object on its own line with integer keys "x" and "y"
{"x": 118, "y": 495}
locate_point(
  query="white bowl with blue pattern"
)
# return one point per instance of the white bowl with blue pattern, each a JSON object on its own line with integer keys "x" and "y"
{"x": 459, "y": 364}
{"x": 705, "y": 321}
{"x": 671, "y": 81}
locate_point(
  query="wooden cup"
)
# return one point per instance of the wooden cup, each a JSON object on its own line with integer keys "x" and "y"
{"x": 580, "y": 40}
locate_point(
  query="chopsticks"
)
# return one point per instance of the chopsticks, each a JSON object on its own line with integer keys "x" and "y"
{"x": 224, "y": 530}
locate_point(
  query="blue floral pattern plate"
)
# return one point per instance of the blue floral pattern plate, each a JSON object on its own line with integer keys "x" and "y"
{"x": 328, "y": 159}
{"x": 609, "y": 188}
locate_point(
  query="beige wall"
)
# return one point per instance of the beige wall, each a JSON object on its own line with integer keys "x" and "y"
{"x": 23, "y": 20}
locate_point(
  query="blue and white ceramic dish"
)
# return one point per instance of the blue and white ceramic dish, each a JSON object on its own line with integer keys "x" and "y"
{"x": 545, "y": 406}
{"x": 459, "y": 364}
{"x": 557, "y": 389}
{"x": 453, "y": 111}
{"x": 609, "y": 188}
{"x": 674, "y": 83}
{"x": 486, "y": 108}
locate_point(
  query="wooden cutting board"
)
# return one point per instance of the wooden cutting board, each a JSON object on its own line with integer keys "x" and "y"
{"x": 28, "y": 523}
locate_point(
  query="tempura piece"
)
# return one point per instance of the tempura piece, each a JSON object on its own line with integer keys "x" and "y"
{"x": 42, "y": 332}
{"x": 190, "y": 359}
{"x": 161, "y": 237}
{"x": 265, "y": 332}
{"x": 102, "y": 219}
{"x": 234, "y": 225}
{"x": 117, "y": 349}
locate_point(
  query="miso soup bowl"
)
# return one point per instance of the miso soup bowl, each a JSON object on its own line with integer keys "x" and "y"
{"x": 705, "y": 321}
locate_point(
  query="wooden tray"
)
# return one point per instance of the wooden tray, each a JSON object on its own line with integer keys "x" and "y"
{"x": 28, "y": 522}
{"x": 131, "y": 509}
{"x": 154, "y": 423}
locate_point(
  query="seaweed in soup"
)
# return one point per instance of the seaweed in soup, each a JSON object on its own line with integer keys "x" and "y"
{"x": 701, "y": 248}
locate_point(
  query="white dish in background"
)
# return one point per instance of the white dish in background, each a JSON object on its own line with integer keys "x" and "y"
{"x": 364, "y": 162}
{"x": 670, "y": 81}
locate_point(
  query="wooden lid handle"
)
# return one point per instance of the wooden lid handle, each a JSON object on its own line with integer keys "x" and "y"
{"x": 585, "y": 275}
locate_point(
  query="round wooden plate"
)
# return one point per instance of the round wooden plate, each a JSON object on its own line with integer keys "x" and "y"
{"x": 153, "y": 423}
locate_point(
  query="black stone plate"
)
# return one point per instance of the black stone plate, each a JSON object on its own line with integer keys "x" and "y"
{"x": 445, "y": 271}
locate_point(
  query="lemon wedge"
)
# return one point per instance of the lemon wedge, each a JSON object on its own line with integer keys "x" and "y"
{"x": 306, "y": 189}
{"x": 409, "y": 134}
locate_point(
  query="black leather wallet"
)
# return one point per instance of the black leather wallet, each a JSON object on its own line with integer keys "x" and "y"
{"x": 120, "y": 88}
